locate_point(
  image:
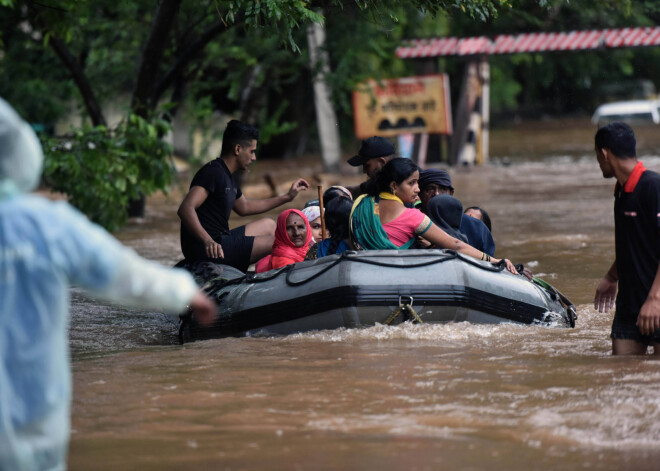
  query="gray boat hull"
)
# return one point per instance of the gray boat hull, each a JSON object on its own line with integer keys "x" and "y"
{"x": 359, "y": 289}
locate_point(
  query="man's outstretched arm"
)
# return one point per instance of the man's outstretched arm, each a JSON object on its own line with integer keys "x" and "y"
{"x": 246, "y": 207}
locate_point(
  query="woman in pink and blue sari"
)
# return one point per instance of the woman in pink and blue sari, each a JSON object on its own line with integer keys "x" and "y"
{"x": 380, "y": 220}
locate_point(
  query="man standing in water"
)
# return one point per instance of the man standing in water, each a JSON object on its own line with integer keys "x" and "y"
{"x": 636, "y": 268}
{"x": 214, "y": 192}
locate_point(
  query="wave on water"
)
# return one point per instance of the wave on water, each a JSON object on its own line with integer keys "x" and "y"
{"x": 448, "y": 332}
{"x": 553, "y": 239}
{"x": 604, "y": 416}
{"x": 588, "y": 159}
{"x": 589, "y": 337}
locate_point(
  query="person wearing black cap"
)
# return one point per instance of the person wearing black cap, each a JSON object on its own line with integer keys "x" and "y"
{"x": 374, "y": 153}
{"x": 632, "y": 283}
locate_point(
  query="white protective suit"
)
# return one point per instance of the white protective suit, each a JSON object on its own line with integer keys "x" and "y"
{"x": 44, "y": 247}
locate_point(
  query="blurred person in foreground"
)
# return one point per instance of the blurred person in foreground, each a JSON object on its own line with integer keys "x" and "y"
{"x": 44, "y": 247}
{"x": 636, "y": 268}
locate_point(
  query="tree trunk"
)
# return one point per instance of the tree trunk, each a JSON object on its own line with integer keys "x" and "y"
{"x": 468, "y": 97}
{"x": 326, "y": 119}
{"x": 184, "y": 58}
{"x": 81, "y": 81}
{"x": 252, "y": 98}
{"x": 141, "y": 103}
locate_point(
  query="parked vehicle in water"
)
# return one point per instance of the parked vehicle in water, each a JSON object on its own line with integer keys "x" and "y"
{"x": 632, "y": 111}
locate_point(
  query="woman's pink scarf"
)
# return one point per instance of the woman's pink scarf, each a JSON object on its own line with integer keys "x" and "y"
{"x": 283, "y": 247}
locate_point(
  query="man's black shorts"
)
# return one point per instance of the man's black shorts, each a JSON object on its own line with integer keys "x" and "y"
{"x": 624, "y": 327}
{"x": 236, "y": 246}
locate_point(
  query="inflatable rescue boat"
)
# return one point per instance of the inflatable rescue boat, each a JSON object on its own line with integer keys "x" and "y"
{"x": 360, "y": 289}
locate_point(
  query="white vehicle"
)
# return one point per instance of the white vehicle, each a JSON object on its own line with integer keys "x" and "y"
{"x": 634, "y": 111}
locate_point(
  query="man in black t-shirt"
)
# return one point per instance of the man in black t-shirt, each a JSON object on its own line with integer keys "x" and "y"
{"x": 214, "y": 192}
{"x": 636, "y": 268}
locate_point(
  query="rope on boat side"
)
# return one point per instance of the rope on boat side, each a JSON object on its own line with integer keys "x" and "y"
{"x": 351, "y": 256}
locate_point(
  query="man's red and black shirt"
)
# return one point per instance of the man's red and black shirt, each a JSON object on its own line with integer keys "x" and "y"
{"x": 637, "y": 237}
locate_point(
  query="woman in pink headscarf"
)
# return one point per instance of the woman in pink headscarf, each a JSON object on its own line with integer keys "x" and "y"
{"x": 293, "y": 237}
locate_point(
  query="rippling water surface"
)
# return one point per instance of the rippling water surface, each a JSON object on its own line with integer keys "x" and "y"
{"x": 419, "y": 397}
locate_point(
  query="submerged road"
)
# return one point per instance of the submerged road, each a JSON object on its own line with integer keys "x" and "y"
{"x": 419, "y": 397}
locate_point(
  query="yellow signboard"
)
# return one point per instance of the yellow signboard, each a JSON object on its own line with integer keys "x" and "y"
{"x": 405, "y": 105}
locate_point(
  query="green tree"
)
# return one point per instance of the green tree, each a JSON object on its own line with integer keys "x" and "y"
{"x": 558, "y": 83}
{"x": 164, "y": 54}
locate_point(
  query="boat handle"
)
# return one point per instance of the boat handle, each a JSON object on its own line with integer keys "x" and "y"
{"x": 405, "y": 300}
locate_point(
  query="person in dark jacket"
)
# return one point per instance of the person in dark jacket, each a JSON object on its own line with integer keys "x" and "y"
{"x": 433, "y": 182}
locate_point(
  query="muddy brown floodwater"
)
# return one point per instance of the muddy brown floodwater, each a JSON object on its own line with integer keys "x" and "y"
{"x": 417, "y": 397}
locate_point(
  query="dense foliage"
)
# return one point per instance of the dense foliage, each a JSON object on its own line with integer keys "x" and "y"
{"x": 240, "y": 57}
{"x": 563, "y": 83}
{"x": 248, "y": 59}
{"x": 102, "y": 171}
